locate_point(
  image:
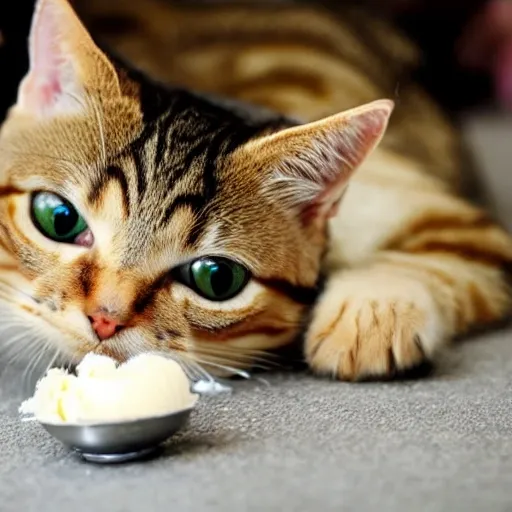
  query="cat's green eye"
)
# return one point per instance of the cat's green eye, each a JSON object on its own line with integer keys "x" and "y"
{"x": 215, "y": 278}
{"x": 57, "y": 218}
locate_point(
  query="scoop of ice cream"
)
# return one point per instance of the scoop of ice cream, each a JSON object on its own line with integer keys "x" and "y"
{"x": 103, "y": 392}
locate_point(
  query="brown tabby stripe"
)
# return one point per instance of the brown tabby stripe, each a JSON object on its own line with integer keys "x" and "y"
{"x": 426, "y": 273}
{"x": 136, "y": 150}
{"x": 464, "y": 251}
{"x": 225, "y": 334}
{"x": 86, "y": 277}
{"x": 146, "y": 295}
{"x": 436, "y": 224}
{"x": 192, "y": 201}
{"x": 3, "y": 245}
{"x": 305, "y": 295}
{"x": 116, "y": 174}
{"x": 471, "y": 291}
{"x": 279, "y": 78}
{"x": 382, "y": 75}
{"x": 482, "y": 306}
{"x": 182, "y": 149}
{"x": 8, "y": 190}
{"x": 162, "y": 142}
{"x": 209, "y": 182}
{"x": 410, "y": 146}
{"x": 420, "y": 267}
{"x": 5, "y": 238}
{"x": 8, "y": 267}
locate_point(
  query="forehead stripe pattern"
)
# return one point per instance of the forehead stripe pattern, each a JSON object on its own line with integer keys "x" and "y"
{"x": 112, "y": 173}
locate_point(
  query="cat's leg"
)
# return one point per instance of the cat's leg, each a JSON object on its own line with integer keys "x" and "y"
{"x": 433, "y": 280}
{"x": 396, "y": 313}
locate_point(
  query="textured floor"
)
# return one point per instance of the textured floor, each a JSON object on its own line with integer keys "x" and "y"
{"x": 297, "y": 443}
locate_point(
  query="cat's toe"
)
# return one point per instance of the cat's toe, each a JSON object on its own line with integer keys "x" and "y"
{"x": 380, "y": 338}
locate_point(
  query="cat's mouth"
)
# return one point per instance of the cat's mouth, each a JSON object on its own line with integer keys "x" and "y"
{"x": 111, "y": 351}
{"x": 68, "y": 330}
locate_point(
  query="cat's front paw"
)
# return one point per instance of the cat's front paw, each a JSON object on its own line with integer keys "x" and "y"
{"x": 373, "y": 325}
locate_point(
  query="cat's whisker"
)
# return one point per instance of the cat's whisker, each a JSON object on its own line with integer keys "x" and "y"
{"x": 21, "y": 352}
{"x": 10, "y": 325}
{"x": 36, "y": 368}
{"x": 56, "y": 354}
{"x": 233, "y": 356}
{"x": 34, "y": 354}
{"x": 100, "y": 121}
{"x": 194, "y": 372}
{"x": 199, "y": 371}
{"x": 6, "y": 297}
{"x": 267, "y": 361}
{"x": 12, "y": 356}
{"x": 236, "y": 371}
{"x": 227, "y": 357}
{"x": 186, "y": 359}
{"x": 233, "y": 362}
{"x": 11, "y": 288}
{"x": 193, "y": 369}
{"x": 21, "y": 344}
{"x": 6, "y": 346}
{"x": 234, "y": 349}
{"x": 35, "y": 360}
{"x": 11, "y": 321}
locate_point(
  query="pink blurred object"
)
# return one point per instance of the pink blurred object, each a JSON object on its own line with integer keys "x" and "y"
{"x": 503, "y": 75}
{"x": 486, "y": 45}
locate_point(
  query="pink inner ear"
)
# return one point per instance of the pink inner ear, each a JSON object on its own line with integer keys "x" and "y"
{"x": 352, "y": 145}
{"x": 368, "y": 129}
{"x": 51, "y": 70}
{"x": 49, "y": 91}
{"x": 46, "y": 56}
{"x": 41, "y": 92}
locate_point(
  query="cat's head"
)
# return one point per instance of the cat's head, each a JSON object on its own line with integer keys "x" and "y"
{"x": 137, "y": 218}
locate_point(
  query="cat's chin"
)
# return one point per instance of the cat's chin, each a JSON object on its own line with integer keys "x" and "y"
{"x": 106, "y": 349}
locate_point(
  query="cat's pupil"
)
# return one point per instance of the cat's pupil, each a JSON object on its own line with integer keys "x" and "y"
{"x": 64, "y": 219}
{"x": 221, "y": 278}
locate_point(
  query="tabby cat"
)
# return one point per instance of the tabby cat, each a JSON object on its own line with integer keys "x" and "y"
{"x": 250, "y": 204}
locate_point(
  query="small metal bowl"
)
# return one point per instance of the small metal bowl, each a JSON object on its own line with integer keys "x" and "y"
{"x": 124, "y": 441}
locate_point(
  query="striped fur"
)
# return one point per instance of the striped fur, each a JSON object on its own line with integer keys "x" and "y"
{"x": 377, "y": 276}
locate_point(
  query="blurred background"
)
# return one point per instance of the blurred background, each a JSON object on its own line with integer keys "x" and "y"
{"x": 465, "y": 43}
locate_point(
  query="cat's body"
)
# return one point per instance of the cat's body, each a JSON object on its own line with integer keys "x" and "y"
{"x": 304, "y": 62}
{"x": 164, "y": 177}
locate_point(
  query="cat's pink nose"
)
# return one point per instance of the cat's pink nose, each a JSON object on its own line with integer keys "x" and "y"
{"x": 104, "y": 325}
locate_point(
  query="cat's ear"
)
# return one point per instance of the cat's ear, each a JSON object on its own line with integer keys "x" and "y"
{"x": 65, "y": 64}
{"x": 310, "y": 165}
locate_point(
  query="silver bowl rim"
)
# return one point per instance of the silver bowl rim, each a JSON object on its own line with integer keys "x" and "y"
{"x": 122, "y": 422}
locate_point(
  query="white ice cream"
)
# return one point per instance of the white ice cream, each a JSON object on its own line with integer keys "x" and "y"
{"x": 103, "y": 392}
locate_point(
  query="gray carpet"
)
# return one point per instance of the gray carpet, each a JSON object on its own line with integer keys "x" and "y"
{"x": 297, "y": 443}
